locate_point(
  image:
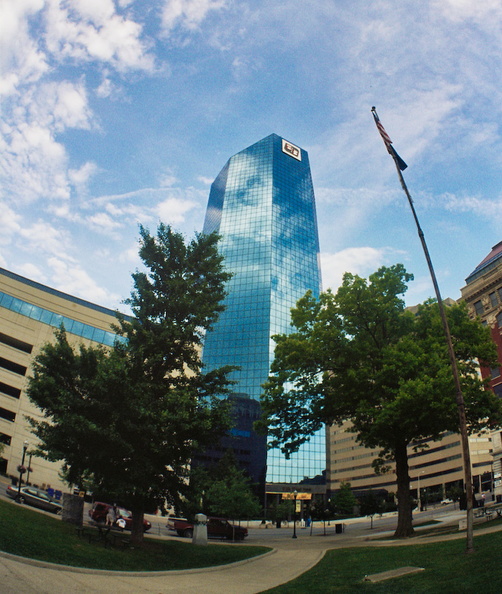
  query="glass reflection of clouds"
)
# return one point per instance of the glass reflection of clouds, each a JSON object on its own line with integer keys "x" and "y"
{"x": 262, "y": 204}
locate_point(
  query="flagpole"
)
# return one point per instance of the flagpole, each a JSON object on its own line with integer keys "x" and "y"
{"x": 451, "y": 351}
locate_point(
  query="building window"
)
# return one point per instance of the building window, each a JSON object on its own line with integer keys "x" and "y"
{"x": 52, "y": 319}
{"x": 493, "y": 299}
{"x": 478, "y": 308}
{"x": 8, "y": 415}
{"x": 10, "y": 390}
{"x": 499, "y": 319}
{"x": 495, "y": 372}
{"x": 11, "y": 366}
{"x": 5, "y": 439}
{"x": 16, "y": 343}
{"x": 499, "y": 291}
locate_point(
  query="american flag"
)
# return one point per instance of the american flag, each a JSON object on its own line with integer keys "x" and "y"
{"x": 388, "y": 142}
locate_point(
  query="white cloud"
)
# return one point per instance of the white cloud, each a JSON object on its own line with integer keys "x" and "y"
{"x": 362, "y": 261}
{"x": 130, "y": 255}
{"x": 88, "y": 31}
{"x": 148, "y": 205}
{"x": 487, "y": 208}
{"x": 11, "y": 224}
{"x": 33, "y": 164}
{"x": 104, "y": 223}
{"x": 167, "y": 179}
{"x": 108, "y": 89}
{"x": 488, "y": 12}
{"x": 188, "y": 13}
{"x": 173, "y": 210}
{"x": 80, "y": 177}
{"x": 96, "y": 11}
{"x": 35, "y": 37}
{"x": 21, "y": 60}
{"x": 33, "y": 272}
{"x": 43, "y": 238}
{"x": 57, "y": 106}
{"x": 133, "y": 213}
{"x": 420, "y": 289}
{"x": 72, "y": 279}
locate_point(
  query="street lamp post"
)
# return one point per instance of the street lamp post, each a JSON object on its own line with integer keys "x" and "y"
{"x": 29, "y": 468}
{"x": 419, "y": 500}
{"x": 21, "y": 468}
{"x": 294, "y": 514}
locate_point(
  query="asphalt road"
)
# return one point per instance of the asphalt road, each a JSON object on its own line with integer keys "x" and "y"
{"x": 357, "y": 527}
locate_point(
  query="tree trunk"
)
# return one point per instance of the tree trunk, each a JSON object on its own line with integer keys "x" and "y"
{"x": 404, "y": 511}
{"x": 137, "y": 532}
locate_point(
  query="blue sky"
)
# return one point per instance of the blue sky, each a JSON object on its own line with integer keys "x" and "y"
{"x": 115, "y": 113}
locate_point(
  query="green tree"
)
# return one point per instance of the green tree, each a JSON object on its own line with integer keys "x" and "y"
{"x": 283, "y": 510}
{"x": 344, "y": 501}
{"x": 232, "y": 497}
{"x": 454, "y": 493}
{"x": 360, "y": 356}
{"x": 323, "y": 511}
{"x": 223, "y": 490}
{"x": 371, "y": 503}
{"x": 131, "y": 416}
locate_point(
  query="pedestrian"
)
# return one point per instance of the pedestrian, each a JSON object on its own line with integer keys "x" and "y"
{"x": 121, "y": 523}
{"x": 111, "y": 515}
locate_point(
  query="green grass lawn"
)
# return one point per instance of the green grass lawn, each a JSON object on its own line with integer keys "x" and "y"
{"x": 447, "y": 569}
{"x": 28, "y": 533}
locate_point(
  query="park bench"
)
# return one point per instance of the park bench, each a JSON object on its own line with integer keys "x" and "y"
{"x": 108, "y": 535}
{"x": 488, "y": 511}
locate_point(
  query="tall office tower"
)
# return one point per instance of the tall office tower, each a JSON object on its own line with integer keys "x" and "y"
{"x": 262, "y": 204}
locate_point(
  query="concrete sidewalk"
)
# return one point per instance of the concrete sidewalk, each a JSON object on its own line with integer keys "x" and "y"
{"x": 246, "y": 577}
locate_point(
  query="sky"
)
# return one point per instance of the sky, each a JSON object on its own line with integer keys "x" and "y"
{"x": 116, "y": 113}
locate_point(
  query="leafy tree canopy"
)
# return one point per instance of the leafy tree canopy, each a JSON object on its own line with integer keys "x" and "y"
{"x": 359, "y": 355}
{"x": 344, "y": 501}
{"x": 223, "y": 490}
{"x": 131, "y": 416}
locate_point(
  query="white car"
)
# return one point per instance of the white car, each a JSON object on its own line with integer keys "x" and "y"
{"x": 35, "y": 497}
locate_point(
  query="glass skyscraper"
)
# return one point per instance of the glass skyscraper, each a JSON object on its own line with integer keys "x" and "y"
{"x": 262, "y": 204}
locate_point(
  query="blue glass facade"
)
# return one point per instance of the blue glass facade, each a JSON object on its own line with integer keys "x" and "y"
{"x": 262, "y": 204}
{"x": 56, "y": 320}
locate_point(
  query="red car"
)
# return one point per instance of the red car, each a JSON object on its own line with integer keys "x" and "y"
{"x": 99, "y": 511}
{"x": 216, "y": 528}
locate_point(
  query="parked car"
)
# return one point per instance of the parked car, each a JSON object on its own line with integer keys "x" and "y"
{"x": 216, "y": 528}
{"x": 35, "y": 497}
{"x": 99, "y": 511}
{"x": 171, "y": 522}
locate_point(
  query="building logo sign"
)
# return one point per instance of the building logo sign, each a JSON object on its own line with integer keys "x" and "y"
{"x": 291, "y": 150}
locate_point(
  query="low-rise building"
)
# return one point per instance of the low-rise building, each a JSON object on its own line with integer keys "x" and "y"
{"x": 29, "y": 314}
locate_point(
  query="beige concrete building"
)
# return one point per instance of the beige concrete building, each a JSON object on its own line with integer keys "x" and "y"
{"x": 432, "y": 471}
{"x": 29, "y": 314}
{"x": 483, "y": 295}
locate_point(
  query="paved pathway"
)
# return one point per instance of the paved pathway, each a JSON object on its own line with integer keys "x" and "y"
{"x": 245, "y": 577}
{"x": 289, "y": 559}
